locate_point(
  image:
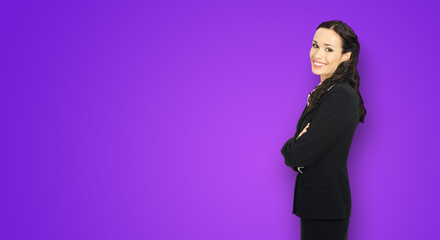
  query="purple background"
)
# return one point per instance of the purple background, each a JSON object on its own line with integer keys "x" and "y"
{"x": 165, "y": 120}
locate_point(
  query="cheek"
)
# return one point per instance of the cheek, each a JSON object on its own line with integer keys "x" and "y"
{"x": 333, "y": 59}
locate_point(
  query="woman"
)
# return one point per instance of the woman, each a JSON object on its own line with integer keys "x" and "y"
{"x": 320, "y": 150}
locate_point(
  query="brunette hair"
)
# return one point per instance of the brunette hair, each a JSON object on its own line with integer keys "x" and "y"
{"x": 346, "y": 71}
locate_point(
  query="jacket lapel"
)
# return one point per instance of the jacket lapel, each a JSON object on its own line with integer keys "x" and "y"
{"x": 301, "y": 119}
{"x": 305, "y": 113}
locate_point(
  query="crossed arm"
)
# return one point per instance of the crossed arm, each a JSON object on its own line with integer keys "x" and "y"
{"x": 298, "y": 169}
{"x": 332, "y": 116}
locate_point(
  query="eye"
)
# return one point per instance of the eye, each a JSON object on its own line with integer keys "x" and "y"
{"x": 330, "y": 50}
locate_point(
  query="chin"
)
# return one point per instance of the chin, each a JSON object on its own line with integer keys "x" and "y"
{"x": 316, "y": 72}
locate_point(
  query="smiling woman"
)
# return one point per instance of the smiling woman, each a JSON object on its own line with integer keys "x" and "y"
{"x": 320, "y": 148}
{"x": 326, "y": 57}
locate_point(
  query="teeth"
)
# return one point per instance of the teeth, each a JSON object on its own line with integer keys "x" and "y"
{"x": 319, "y": 64}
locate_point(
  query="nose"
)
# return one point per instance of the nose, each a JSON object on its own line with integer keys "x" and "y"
{"x": 319, "y": 55}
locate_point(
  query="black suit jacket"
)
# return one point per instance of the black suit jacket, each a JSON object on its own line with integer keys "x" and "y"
{"x": 322, "y": 190}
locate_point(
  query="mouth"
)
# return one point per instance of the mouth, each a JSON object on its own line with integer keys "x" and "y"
{"x": 318, "y": 64}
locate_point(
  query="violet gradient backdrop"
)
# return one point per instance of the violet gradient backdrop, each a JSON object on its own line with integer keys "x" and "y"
{"x": 165, "y": 119}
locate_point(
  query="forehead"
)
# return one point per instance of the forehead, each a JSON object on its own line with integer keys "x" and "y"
{"x": 324, "y": 35}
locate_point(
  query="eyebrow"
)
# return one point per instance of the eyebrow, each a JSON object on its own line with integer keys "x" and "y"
{"x": 325, "y": 44}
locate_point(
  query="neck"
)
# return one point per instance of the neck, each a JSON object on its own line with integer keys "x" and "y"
{"x": 323, "y": 78}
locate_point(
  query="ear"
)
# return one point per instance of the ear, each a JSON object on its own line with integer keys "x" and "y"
{"x": 346, "y": 56}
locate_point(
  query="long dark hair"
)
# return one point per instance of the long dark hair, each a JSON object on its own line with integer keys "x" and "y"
{"x": 346, "y": 71}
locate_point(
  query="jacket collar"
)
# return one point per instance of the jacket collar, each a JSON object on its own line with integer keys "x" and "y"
{"x": 305, "y": 112}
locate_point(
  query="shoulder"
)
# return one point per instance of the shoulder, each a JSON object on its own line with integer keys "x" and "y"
{"x": 341, "y": 90}
{"x": 340, "y": 95}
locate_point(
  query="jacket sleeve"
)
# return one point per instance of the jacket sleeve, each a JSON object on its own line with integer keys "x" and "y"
{"x": 333, "y": 115}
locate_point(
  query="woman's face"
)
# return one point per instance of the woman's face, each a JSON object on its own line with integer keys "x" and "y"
{"x": 326, "y": 49}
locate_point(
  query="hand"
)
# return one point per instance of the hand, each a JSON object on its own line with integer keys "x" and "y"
{"x": 304, "y": 130}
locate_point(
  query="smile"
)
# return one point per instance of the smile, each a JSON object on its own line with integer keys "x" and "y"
{"x": 316, "y": 64}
